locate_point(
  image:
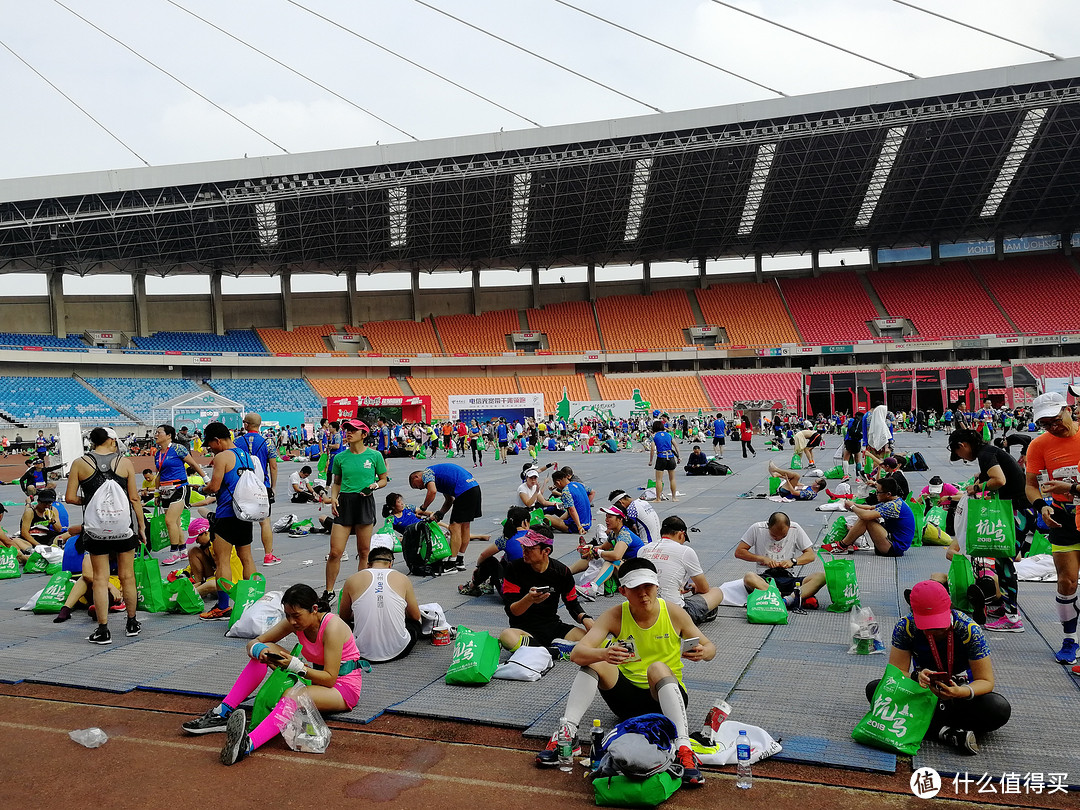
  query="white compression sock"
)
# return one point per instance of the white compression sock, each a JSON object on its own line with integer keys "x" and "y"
{"x": 583, "y": 691}
{"x": 1067, "y": 613}
{"x": 670, "y": 698}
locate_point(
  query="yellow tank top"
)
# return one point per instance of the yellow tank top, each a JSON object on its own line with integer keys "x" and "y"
{"x": 657, "y": 643}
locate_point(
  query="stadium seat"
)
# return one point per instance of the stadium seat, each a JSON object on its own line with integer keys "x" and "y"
{"x": 242, "y": 341}
{"x": 139, "y": 395}
{"x": 674, "y": 394}
{"x": 401, "y": 337}
{"x": 477, "y": 334}
{"x": 1039, "y": 293}
{"x": 301, "y": 340}
{"x": 570, "y": 327}
{"x": 725, "y": 389}
{"x": 40, "y": 401}
{"x": 753, "y": 314}
{"x": 260, "y": 395}
{"x": 942, "y": 302}
{"x": 20, "y": 339}
{"x": 551, "y": 386}
{"x": 833, "y": 308}
{"x": 356, "y": 386}
{"x": 657, "y": 321}
{"x": 439, "y": 388}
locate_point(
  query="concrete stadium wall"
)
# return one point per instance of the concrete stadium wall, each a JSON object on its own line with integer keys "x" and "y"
{"x": 30, "y": 314}
{"x": 189, "y": 313}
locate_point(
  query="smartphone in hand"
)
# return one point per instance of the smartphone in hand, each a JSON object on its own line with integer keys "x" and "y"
{"x": 940, "y": 678}
{"x": 689, "y": 644}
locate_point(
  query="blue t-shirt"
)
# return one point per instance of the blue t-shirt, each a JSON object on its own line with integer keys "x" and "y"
{"x": 634, "y": 544}
{"x": 170, "y": 465}
{"x": 407, "y": 519}
{"x": 718, "y": 428}
{"x": 899, "y": 522}
{"x": 502, "y": 433}
{"x": 256, "y": 445}
{"x": 662, "y": 443}
{"x": 575, "y": 494}
{"x": 511, "y": 546}
{"x": 969, "y": 645}
{"x": 450, "y": 479}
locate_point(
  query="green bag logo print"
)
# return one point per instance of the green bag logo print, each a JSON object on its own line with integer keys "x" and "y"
{"x": 888, "y": 718}
{"x": 8, "y": 564}
{"x": 57, "y": 589}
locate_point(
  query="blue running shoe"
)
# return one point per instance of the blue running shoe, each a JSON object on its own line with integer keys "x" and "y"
{"x": 1067, "y": 654}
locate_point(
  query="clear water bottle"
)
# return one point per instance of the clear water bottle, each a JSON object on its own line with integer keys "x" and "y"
{"x": 743, "y": 778}
{"x": 565, "y": 749}
{"x": 596, "y": 742}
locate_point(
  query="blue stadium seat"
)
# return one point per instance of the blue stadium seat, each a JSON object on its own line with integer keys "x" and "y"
{"x": 243, "y": 341}
{"x": 272, "y": 395}
{"x": 139, "y": 395}
{"x": 21, "y": 339}
{"x": 33, "y": 400}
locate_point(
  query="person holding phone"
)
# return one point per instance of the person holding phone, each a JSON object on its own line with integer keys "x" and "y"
{"x": 329, "y": 659}
{"x": 946, "y": 652}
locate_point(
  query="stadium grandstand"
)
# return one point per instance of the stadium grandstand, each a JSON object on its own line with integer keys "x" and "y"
{"x": 954, "y": 199}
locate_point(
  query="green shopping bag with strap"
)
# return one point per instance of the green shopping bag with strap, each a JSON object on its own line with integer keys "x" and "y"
{"x": 1040, "y": 544}
{"x": 476, "y": 656}
{"x": 244, "y": 594}
{"x": 899, "y": 716}
{"x": 9, "y": 563}
{"x": 961, "y": 577}
{"x": 36, "y": 564}
{"x": 277, "y": 684}
{"x": 536, "y": 517}
{"x": 837, "y": 532}
{"x": 842, "y": 583}
{"x": 936, "y": 516}
{"x": 158, "y": 531}
{"x": 439, "y": 548}
{"x": 55, "y": 593}
{"x": 834, "y": 473}
{"x": 766, "y": 607}
{"x": 183, "y": 598}
{"x": 149, "y": 584}
{"x": 991, "y": 528}
{"x": 918, "y": 513}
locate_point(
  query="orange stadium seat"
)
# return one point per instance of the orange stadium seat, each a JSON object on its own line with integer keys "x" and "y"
{"x": 753, "y": 314}
{"x": 678, "y": 394}
{"x": 833, "y": 308}
{"x": 401, "y": 337}
{"x": 302, "y": 340}
{"x": 630, "y": 322}
{"x": 439, "y": 388}
{"x": 942, "y": 302}
{"x": 353, "y": 387}
{"x": 1039, "y": 293}
{"x": 570, "y": 327}
{"x": 551, "y": 386}
{"x": 477, "y": 334}
{"x": 725, "y": 389}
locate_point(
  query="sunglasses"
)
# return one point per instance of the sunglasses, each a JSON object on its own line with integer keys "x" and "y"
{"x": 1046, "y": 424}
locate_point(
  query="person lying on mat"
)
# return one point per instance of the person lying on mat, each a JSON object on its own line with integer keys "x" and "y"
{"x": 334, "y": 672}
{"x": 791, "y": 480}
{"x": 947, "y": 652}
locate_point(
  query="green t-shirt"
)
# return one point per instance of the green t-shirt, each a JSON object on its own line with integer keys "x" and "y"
{"x": 358, "y": 470}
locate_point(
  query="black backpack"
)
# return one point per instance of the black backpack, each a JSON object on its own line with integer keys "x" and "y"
{"x": 917, "y": 463}
{"x": 416, "y": 549}
{"x": 715, "y": 467}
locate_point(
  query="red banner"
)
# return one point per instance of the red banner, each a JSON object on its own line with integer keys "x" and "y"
{"x": 413, "y": 409}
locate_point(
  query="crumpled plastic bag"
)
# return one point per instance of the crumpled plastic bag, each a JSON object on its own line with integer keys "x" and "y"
{"x": 306, "y": 730}
{"x": 865, "y": 633}
{"x": 89, "y": 737}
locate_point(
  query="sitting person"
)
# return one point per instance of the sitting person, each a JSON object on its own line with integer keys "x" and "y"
{"x": 403, "y": 514}
{"x": 682, "y": 579}
{"x": 532, "y": 587}
{"x": 889, "y": 524}
{"x": 302, "y": 491}
{"x": 148, "y": 489}
{"x": 778, "y": 547}
{"x": 83, "y": 586}
{"x": 25, "y": 548}
{"x": 380, "y": 605}
{"x": 576, "y": 501}
{"x": 790, "y": 481}
{"x": 334, "y": 671}
{"x": 202, "y": 565}
{"x": 531, "y": 492}
{"x": 41, "y": 521}
{"x": 36, "y": 477}
{"x": 646, "y": 523}
{"x": 640, "y": 672}
{"x": 696, "y": 462}
{"x": 891, "y": 468}
{"x": 945, "y": 651}
{"x": 489, "y": 567}
{"x": 621, "y": 543}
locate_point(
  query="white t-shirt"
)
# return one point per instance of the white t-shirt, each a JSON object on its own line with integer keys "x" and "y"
{"x": 648, "y": 521}
{"x": 297, "y": 481}
{"x": 528, "y": 492}
{"x": 675, "y": 563}
{"x": 762, "y": 543}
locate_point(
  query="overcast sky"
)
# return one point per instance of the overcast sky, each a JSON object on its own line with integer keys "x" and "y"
{"x": 164, "y": 122}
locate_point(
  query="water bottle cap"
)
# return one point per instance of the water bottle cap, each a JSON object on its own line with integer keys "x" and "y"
{"x": 596, "y": 722}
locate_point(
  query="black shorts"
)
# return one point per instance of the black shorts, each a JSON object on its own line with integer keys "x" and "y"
{"x": 179, "y": 492}
{"x": 95, "y": 547}
{"x": 544, "y": 633}
{"x": 718, "y": 441}
{"x": 627, "y": 700}
{"x": 355, "y": 509}
{"x": 467, "y": 506}
{"x": 814, "y": 442}
{"x": 785, "y": 581}
{"x": 1066, "y": 534}
{"x": 853, "y": 446}
{"x": 233, "y": 530}
{"x": 665, "y": 464}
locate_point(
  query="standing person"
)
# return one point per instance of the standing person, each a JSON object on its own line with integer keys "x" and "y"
{"x": 229, "y": 531}
{"x": 666, "y": 457}
{"x": 171, "y": 459}
{"x": 259, "y": 448}
{"x": 474, "y": 444}
{"x": 88, "y": 473}
{"x": 357, "y": 472}
{"x": 1055, "y": 454}
{"x": 504, "y": 438}
{"x": 805, "y": 441}
{"x": 998, "y": 473}
{"x": 459, "y": 490}
{"x": 719, "y": 430}
{"x": 746, "y": 436}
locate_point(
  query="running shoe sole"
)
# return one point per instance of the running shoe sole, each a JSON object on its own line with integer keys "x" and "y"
{"x": 235, "y": 732}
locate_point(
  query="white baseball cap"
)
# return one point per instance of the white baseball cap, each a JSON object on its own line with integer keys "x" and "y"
{"x": 1047, "y": 405}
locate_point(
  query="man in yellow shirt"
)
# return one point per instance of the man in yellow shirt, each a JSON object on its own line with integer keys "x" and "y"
{"x": 640, "y": 671}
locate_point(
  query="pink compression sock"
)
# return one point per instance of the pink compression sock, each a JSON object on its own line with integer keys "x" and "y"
{"x": 274, "y": 723}
{"x": 250, "y": 677}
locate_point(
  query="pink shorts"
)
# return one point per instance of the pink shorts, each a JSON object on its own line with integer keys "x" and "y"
{"x": 348, "y": 686}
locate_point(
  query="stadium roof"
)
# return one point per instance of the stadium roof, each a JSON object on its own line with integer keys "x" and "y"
{"x": 972, "y": 155}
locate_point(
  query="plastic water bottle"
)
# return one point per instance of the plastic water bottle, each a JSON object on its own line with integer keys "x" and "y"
{"x": 565, "y": 749}
{"x": 596, "y": 742}
{"x": 743, "y": 778}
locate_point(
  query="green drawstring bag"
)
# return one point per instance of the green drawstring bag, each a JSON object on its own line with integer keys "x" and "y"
{"x": 766, "y": 607}
{"x": 842, "y": 583}
{"x": 961, "y": 577}
{"x": 148, "y": 582}
{"x": 183, "y": 597}
{"x": 991, "y": 528}
{"x": 623, "y": 791}
{"x": 244, "y": 594}
{"x": 899, "y": 715}
{"x": 796, "y": 462}
{"x": 55, "y": 593}
{"x": 476, "y": 657}
{"x": 277, "y": 684}
{"x": 1040, "y": 544}
{"x": 9, "y": 563}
